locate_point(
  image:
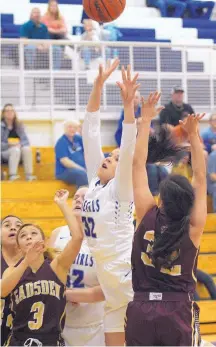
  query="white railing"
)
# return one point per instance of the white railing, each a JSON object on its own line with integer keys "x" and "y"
{"x": 59, "y": 76}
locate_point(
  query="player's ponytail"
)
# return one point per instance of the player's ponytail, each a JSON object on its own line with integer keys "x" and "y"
{"x": 163, "y": 148}
{"x": 177, "y": 196}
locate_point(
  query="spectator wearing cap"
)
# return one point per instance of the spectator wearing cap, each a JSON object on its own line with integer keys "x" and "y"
{"x": 209, "y": 135}
{"x": 69, "y": 152}
{"x": 176, "y": 109}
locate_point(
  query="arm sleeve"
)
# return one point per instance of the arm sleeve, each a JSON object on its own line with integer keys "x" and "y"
{"x": 61, "y": 150}
{"x": 123, "y": 187}
{"x": 118, "y": 134}
{"x": 92, "y": 143}
{"x": 23, "y": 31}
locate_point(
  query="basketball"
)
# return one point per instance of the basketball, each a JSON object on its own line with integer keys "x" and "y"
{"x": 104, "y": 11}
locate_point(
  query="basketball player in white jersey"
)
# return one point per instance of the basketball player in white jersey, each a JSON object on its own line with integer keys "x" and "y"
{"x": 108, "y": 205}
{"x": 84, "y": 321}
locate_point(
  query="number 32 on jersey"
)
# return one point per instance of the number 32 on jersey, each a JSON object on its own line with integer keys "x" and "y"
{"x": 89, "y": 226}
{"x": 149, "y": 236}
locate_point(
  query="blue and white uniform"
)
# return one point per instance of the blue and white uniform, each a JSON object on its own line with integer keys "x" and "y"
{"x": 107, "y": 216}
{"x": 84, "y": 322}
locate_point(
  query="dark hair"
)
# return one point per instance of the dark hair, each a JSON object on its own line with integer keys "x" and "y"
{"x": 10, "y": 215}
{"x": 163, "y": 148}
{"x": 177, "y": 197}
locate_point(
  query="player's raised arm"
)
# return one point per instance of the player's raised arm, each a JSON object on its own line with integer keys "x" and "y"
{"x": 123, "y": 176}
{"x": 143, "y": 198}
{"x": 12, "y": 275}
{"x": 199, "y": 211}
{"x": 62, "y": 263}
{"x": 91, "y": 126}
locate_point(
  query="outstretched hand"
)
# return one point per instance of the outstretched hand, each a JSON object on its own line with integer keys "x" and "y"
{"x": 104, "y": 73}
{"x": 34, "y": 252}
{"x": 191, "y": 123}
{"x": 148, "y": 108}
{"x": 128, "y": 86}
{"x": 61, "y": 196}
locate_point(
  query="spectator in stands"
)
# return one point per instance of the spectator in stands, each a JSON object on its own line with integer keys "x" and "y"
{"x": 169, "y": 8}
{"x": 137, "y": 110}
{"x": 91, "y": 33}
{"x": 209, "y": 135}
{"x": 208, "y": 282}
{"x": 176, "y": 109}
{"x": 200, "y": 9}
{"x": 211, "y": 179}
{"x": 15, "y": 144}
{"x": 35, "y": 29}
{"x": 70, "y": 163}
{"x": 54, "y": 21}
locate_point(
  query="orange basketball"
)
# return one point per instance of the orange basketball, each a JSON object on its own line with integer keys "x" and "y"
{"x": 104, "y": 10}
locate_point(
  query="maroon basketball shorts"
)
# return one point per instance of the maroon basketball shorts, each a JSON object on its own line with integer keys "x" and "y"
{"x": 163, "y": 319}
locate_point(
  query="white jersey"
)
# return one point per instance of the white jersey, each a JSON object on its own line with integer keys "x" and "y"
{"x": 108, "y": 213}
{"x": 82, "y": 274}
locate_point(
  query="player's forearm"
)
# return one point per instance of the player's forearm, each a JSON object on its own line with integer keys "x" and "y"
{"x": 85, "y": 295}
{"x": 197, "y": 157}
{"x": 9, "y": 282}
{"x": 95, "y": 98}
{"x": 129, "y": 116}
{"x": 141, "y": 149}
{"x": 72, "y": 222}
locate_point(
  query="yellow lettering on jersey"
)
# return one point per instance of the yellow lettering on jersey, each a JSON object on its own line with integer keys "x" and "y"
{"x": 16, "y": 296}
{"x": 38, "y": 310}
{"x": 149, "y": 236}
{"x": 52, "y": 288}
{"x": 57, "y": 290}
{"x": 37, "y": 288}
{"x": 2, "y": 307}
{"x": 44, "y": 287}
{"x": 21, "y": 294}
{"x": 29, "y": 289}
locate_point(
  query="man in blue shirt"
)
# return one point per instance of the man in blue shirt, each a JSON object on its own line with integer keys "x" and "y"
{"x": 35, "y": 30}
{"x": 70, "y": 162}
{"x": 209, "y": 135}
{"x": 137, "y": 110}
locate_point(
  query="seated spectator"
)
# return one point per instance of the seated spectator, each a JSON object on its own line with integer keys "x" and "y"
{"x": 15, "y": 144}
{"x": 209, "y": 135}
{"x": 70, "y": 163}
{"x": 211, "y": 177}
{"x": 200, "y": 9}
{"x": 208, "y": 282}
{"x": 54, "y": 21}
{"x": 137, "y": 110}
{"x": 176, "y": 109}
{"x": 176, "y": 7}
{"x": 35, "y": 29}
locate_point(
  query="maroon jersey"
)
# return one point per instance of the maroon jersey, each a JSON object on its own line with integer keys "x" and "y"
{"x": 6, "y": 313}
{"x": 38, "y": 302}
{"x": 146, "y": 278}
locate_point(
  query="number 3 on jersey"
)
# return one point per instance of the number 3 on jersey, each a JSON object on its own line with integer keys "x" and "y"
{"x": 89, "y": 226}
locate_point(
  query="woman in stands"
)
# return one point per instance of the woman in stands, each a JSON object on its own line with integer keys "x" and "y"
{"x": 37, "y": 286}
{"x": 10, "y": 256}
{"x": 166, "y": 246}
{"x": 54, "y": 21}
{"x": 83, "y": 322}
{"x": 15, "y": 144}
